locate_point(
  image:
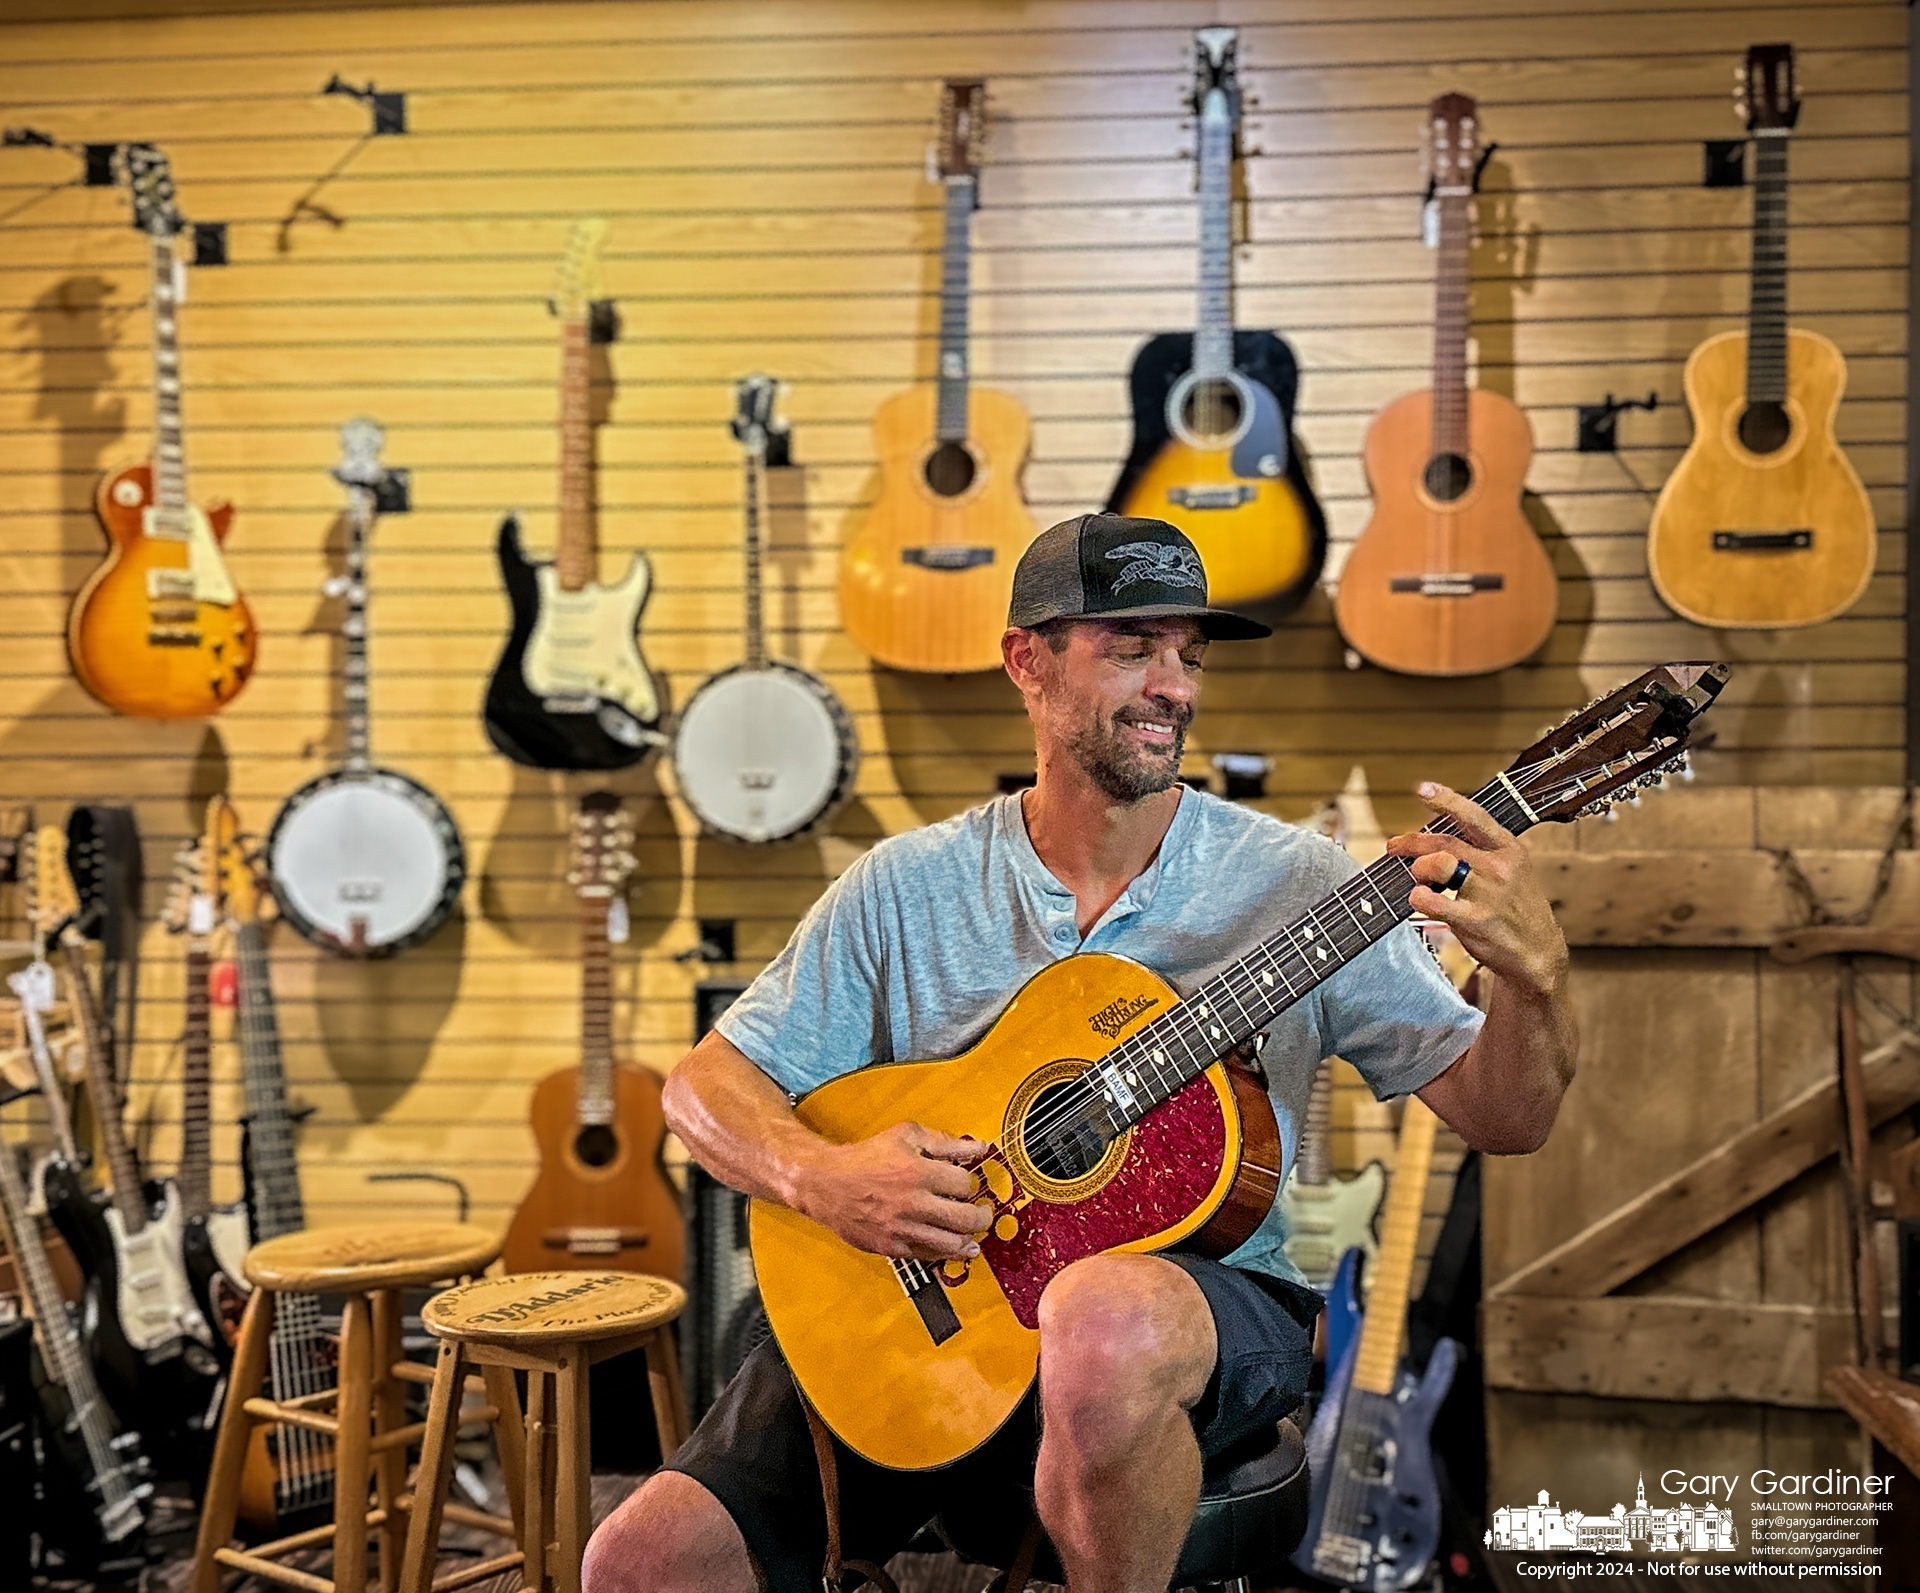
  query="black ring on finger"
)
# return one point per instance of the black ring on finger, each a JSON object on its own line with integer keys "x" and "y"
{"x": 1459, "y": 876}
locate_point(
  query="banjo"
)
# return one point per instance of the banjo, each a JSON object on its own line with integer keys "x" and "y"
{"x": 764, "y": 751}
{"x": 364, "y": 861}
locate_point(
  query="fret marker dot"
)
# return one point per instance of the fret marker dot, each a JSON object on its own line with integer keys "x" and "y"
{"x": 1214, "y": 1031}
{"x": 1267, "y": 979}
{"x": 1159, "y": 1056}
{"x": 1365, "y": 905}
{"x": 1320, "y": 952}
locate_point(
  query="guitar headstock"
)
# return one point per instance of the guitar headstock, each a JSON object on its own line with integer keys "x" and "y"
{"x": 52, "y": 901}
{"x": 1630, "y": 738}
{"x": 194, "y": 892}
{"x": 234, "y": 868}
{"x": 1766, "y": 95}
{"x": 149, "y": 180}
{"x": 360, "y": 443}
{"x": 1216, "y": 79}
{"x": 754, "y": 425}
{"x": 602, "y": 859}
{"x": 963, "y": 127}
{"x": 577, "y": 283}
{"x": 1453, "y": 143}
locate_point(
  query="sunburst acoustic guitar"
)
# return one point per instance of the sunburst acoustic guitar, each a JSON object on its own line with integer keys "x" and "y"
{"x": 1764, "y": 522}
{"x": 925, "y": 581}
{"x": 1448, "y": 578}
{"x": 1114, "y": 1120}
{"x": 159, "y": 630}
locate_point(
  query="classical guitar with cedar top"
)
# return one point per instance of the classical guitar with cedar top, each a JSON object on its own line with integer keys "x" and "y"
{"x": 1112, "y": 1123}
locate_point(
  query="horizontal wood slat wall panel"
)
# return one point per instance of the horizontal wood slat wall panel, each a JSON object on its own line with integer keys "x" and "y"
{"x": 763, "y": 170}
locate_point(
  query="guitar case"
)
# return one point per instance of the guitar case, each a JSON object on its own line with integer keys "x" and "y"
{"x": 1263, "y": 357}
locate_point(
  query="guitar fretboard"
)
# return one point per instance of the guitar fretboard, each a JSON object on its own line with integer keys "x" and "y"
{"x": 169, "y": 448}
{"x": 1451, "y": 321}
{"x": 576, "y": 557}
{"x": 354, "y": 692}
{"x": 1767, "y": 310}
{"x": 274, "y": 1171}
{"x": 103, "y": 1090}
{"x": 756, "y": 630}
{"x": 595, "y": 1104}
{"x": 194, "y": 1175}
{"x": 955, "y": 269}
{"x": 1379, "y": 1354}
{"x": 1213, "y": 330}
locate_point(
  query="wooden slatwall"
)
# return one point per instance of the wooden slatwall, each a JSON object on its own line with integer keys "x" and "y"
{"x": 763, "y": 169}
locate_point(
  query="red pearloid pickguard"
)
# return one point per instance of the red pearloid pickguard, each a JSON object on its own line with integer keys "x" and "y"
{"x": 1171, "y": 1166}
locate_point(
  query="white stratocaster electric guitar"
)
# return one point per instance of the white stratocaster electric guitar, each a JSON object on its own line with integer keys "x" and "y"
{"x": 1328, "y": 1216}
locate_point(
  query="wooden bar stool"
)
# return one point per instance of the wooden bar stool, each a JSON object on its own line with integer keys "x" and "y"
{"x": 553, "y": 1326}
{"x": 364, "y": 1416}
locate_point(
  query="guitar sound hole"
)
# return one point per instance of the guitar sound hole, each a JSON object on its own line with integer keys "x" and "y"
{"x": 596, "y": 1145}
{"x": 950, "y": 469}
{"x": 1066, "y": 1149}
{"x": 1212, "y": 409}
{"x": 1448, "y": 477}
{"x": 1765, "y": 427}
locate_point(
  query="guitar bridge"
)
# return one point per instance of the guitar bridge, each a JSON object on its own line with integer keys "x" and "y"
{"x": 946, "y": 558}
{"x": 1227, "y": 497}
{"x": 1340, "y": 1558}
{"x": 1447, "y": 583}
{"x": 1761, "y": 541}
{"x": 594, "y": 1241}
{"x": 923, "y": 1287}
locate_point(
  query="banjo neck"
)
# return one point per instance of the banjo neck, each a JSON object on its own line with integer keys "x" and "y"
{"x": 360, "y": 472}
{"x": 755, "y": 466}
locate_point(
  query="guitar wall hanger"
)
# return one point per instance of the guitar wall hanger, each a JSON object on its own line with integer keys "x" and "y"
{"x": 1599, "y": 423}
{"x": 389, "y": 107}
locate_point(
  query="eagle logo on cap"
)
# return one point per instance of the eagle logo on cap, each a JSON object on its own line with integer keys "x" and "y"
{"x": 1165, "y": 562}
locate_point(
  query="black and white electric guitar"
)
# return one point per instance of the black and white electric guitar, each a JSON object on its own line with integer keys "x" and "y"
{"x": 571, "y": 690}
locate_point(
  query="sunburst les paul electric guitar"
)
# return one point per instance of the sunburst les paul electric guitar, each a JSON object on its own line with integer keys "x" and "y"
{"x": 925, "y": 581}
{"x": 1448, "y": 578}
{"x": 1764, "y": 523}
{"x": 160, "y": 630}
{"x": 1213, "y": 447}
{"x": 1113, "y": 1121}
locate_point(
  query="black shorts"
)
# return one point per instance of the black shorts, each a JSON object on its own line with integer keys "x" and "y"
{"x": 754, "y": 1451}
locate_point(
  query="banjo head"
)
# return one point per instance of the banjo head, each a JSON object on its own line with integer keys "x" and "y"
{"x": 365, "y": 864}
{"x": 763, "y": 754}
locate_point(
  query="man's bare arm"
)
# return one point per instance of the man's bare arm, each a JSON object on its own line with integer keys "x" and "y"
{"x": 895, "y": 1194}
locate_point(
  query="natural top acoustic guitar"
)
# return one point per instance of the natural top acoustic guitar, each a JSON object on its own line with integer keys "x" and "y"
{"x": 1764, "y": 523}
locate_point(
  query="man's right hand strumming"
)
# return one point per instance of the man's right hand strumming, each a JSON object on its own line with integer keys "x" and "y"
{"x": 904, "y": 1192}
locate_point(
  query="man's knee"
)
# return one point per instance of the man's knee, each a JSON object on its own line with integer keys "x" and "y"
{"x": 1124, "y": 1335}
{"x": 669, "y": 1536}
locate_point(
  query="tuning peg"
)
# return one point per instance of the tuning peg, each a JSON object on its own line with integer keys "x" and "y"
{"x": 334, "y": 586}
{"x": 1607, "y": 815}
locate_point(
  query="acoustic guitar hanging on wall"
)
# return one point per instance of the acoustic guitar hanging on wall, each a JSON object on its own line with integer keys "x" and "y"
{"x": 1764, "y": 522}
{"x": 1448, "y": 577}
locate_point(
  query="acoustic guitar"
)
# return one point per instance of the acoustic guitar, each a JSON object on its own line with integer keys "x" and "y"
{"x": 571, "y": 690}
{"x": 926, "y": 580}
{"x": 160, "y": 630}
{"x": 601, "y": 1198}
{"x": 1448, "y": 578}
{"x": 1213, "y": 447}
{"x": 1764, "y": 522}
{"x": 1113, "y": 1119}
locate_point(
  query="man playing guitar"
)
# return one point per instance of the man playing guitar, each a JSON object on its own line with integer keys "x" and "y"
{"x": 1148, "y": 1362}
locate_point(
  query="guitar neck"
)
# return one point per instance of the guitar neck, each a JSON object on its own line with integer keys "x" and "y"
{"x": 756, "y": 630}
{"x": 1451, "y": 321}
{"x": 169, "y": 447}
{"x": 1378, "y": 1357}
{"x": 276, "y": 1206}
{"x": 1767, "y": 309}
{"x": 955, "y": 270}
{"x": 194, "y": 1176}
{"x": 577, "y": 557}
{"x": 595, "y": 1101}
{"x": 1313, "y": 1163}
{"x": 129, "y": 1198}
{"x": 1213, "y": 329}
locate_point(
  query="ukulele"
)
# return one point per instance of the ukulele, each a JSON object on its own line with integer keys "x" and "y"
{"x": 571, "y": 690}
{"x": 601, "y": 1198}
{"x": 1448, "y": 577}
{"x": 1764, "y": 522}
{"x": 1373, "y": 1518}
{"x": 1213, "y": 447}
{"x": 214, "y": 1239}
{"x": 1115, "y": 1116}
{"x": 159, "y": 630}
{"x": 288, "y": 1475}
{"x": 926, "y": 581}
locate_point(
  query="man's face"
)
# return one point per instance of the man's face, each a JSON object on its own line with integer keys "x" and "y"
{"x": 1118, "y": 699}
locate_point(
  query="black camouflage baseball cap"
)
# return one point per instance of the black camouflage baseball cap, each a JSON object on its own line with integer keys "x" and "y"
{"x": 1114, "y": 566}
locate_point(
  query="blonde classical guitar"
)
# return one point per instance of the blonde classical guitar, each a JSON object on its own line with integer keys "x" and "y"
{"x": 1113, "y": 1121}
{"x": 1764, "y": 523}
{"x": 160, "y": 630}
{"x": 925, "y": 581}
{"x": 1448, "y": 577}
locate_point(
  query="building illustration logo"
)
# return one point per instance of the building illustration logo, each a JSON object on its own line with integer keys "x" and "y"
{"x": 1680, "y": 1529}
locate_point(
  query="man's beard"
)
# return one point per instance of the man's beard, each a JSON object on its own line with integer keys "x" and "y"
{"x": 1122, "y": 770}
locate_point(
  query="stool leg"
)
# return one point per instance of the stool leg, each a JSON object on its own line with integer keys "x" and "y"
{"x": 436, "y": 1466}
{"x": 538, "y": 1528}
{"x": 389, "y": 1412}
{"x": 573, "y": 1492}
{"x": 222, "y": 1503}
{"x": 510, "y": 1437}
{"x": 351, "y": 1459}
{"x": 669, "y": 1398}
